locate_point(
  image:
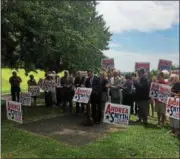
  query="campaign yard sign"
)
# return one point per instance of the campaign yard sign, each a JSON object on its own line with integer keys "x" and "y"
{"x": 107, "y": 64}
{"x": 34, "y": 90}
{"x": 116, "y": 114}
{"x": 82, "y": 95}
{"x": 173, "y": 107}
{"x": 47, "y": 85}
{"x": 164, "y": 65}
{"x": 26, "y": 99}
{"x": 14, "y": 111}
{"x": 145, "y": 65}
{"x": 154, "y": 90}
{"x": 164, "y": 93}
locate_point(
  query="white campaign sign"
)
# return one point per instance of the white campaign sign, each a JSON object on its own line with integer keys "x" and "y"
{"x": 26, "y": 99}
{"x": 47, "y": 85}
{"x": 34, "y": 90}
{"x": 161, "y": 92}
{"x": 154, "y": 90}
{"x": 164, "y": 93}
{"x": 116, "y": 114}
{"x": 173, "y": 108}
{"x": 82, "y": 95}
{"x": 14, "y": 111}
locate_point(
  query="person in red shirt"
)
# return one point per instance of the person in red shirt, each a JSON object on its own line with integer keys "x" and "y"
{"x": 160, "y": 107}
{"x": 15, "y": 81}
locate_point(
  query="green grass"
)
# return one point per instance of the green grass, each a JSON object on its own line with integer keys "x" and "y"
{"x": 7, "y": 73}
{"x": 144, "y": 142}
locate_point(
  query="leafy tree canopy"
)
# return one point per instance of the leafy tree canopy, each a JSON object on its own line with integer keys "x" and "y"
{"x": 52, "y": 34}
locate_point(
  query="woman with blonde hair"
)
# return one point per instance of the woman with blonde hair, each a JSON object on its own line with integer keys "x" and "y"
{"x": 175, "y": 84}
{"x": 104, "y": 89}
{"x": 159, "y": 106}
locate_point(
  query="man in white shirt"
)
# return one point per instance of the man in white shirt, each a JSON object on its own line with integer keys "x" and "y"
{"x": 115, "y": 93}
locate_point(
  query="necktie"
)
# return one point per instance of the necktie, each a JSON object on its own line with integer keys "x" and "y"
{"x": 91, "y": 80}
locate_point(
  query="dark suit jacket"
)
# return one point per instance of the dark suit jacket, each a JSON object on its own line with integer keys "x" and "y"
{"x": 79, "y": 81}
{"x": 96, "y": 88}
{"x": 142, "y": 88}
{"x": 95, "y": 83}
{"x": 104, "y": 82}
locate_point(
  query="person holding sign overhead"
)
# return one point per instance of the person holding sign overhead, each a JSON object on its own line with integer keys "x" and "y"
{"x": 32, "y": 82}
{"x": 15, "y": 81}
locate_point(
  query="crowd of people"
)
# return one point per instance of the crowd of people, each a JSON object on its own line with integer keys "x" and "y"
{"x": 131, "y": 89}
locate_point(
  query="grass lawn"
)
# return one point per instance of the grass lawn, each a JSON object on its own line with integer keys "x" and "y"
{"x": 7, "y": 73}
{"x": 135, "y": 141}
{"x": 138, "y": 140}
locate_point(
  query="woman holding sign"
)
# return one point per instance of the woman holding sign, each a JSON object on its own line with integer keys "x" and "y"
{"x": 174, "y": 82}
{"x": 32, "y": 82}
{"x": 104, "y": 90}
{"x": 160, "y": 107}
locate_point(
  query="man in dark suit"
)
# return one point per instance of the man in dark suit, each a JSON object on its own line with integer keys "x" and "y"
{"x": 142, "y": 89}
{"x": 95, "y": 99}
{"x": 68, "y": 90}
{"x": 79, "y": 81}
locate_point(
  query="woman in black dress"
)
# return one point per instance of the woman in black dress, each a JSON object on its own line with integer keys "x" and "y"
{"x": 104, "y": 91}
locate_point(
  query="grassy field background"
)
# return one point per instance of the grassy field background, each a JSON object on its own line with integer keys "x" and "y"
{"x": 7, "y": 73}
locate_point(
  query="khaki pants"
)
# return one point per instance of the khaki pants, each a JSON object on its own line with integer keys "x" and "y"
{"x": 174, "y": 123}
{"x": 143, "y": 110}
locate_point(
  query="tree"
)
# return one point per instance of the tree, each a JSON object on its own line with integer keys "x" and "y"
{"x": 53, "y": 35}
{"x": 175, "y": 67}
